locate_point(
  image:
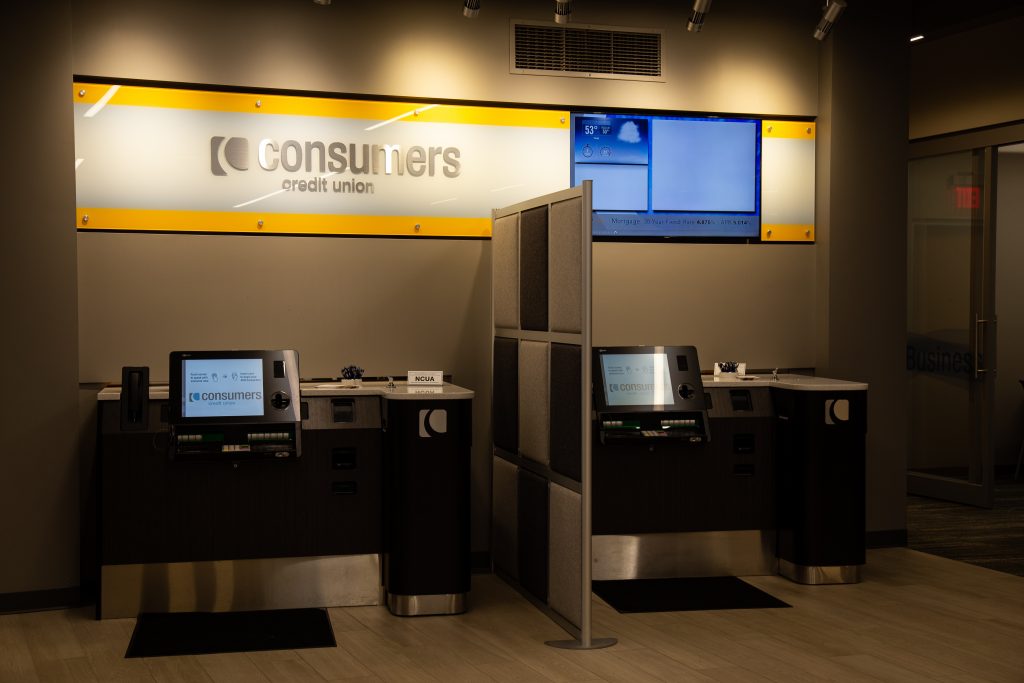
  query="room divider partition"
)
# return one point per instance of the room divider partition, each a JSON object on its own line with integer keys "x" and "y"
{"x": 541, "y": 406}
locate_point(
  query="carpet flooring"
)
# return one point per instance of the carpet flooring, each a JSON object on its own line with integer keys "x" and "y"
{"x": 988, "y": 538}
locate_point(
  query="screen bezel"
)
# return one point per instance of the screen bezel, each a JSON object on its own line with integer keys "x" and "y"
{"x": 690, "y": 376}
{"x": 288, "y": 384}
{"x": 704, "y": 237}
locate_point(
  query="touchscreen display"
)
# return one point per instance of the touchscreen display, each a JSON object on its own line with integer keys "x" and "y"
{"x": 222, "y": 387}
{"x": 637, "y": 379}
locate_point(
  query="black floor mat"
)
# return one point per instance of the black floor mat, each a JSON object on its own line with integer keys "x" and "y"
{"x": 198, "y": 633}
{"x": 681, "y": 595}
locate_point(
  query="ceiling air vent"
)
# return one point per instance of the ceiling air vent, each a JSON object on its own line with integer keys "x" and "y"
{"x": 586, "y": 51}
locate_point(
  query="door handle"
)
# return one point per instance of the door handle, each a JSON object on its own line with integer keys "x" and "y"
{"x": 979, "y": 336}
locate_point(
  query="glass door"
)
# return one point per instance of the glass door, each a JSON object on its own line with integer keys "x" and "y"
{"x": 1008, "y": 415}
{"x": 951, "y": 344}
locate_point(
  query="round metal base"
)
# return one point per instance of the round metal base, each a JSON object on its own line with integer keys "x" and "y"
{"x": 595, "y": 644}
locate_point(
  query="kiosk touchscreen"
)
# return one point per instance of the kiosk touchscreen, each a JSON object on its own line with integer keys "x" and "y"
{"x": 649, "y": 392}
{"x": 234, "y": 404}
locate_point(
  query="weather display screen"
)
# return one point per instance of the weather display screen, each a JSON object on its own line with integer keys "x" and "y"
{"x": 636, "y": 379}
{"x": 222, "y": 387}
{"x": 665, "y": 176}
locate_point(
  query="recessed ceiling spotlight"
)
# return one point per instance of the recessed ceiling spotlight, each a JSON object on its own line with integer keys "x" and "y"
{"x": 697, "y": 16}
{"x": 563, "y": 11}
{"x": 833, "y": 8}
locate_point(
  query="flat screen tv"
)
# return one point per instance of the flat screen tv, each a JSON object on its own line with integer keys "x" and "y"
{"x": 660, "y": 176}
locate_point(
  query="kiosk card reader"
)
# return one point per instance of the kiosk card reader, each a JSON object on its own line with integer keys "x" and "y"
{"x": 234, "y": 405}
{"x": 649, "y": 392}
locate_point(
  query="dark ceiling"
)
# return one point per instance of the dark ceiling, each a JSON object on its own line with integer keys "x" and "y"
{"x": 937, "y": 18}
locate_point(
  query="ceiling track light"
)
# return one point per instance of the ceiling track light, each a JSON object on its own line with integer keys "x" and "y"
{"x": 563, "y": 11}
{"x": 697, "y": 16}
{"x": 470, "y": 8}
{"x": 833, "y": 8}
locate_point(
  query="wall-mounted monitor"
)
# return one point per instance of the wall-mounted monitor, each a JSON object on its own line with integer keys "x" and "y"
{"x": 659, "y": 176}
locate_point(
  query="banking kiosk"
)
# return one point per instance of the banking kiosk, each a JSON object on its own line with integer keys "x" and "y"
{"x": 239, "y": 487}
{"x": 702, "y": 477}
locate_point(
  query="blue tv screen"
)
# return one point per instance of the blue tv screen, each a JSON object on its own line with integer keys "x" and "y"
{"x": 669, "y": 176}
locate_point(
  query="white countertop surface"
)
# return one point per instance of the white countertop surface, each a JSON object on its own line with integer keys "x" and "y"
{"x": 785, "y": 381}
{"x": 401, "y": 391}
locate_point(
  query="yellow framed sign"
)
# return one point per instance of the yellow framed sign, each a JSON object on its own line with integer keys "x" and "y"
{"x": 181, "y": 160}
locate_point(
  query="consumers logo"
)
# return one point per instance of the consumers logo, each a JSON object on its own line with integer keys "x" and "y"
{"x": 235, "y": 153}
{"x": 335, "y": 157}
{"x": 837, "y": 410}
{"x": 433, "y": 422}
{"x": 225, "y": 396}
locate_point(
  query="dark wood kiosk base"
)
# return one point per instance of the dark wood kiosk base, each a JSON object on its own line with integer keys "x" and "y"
{"x": 373, "y": 509}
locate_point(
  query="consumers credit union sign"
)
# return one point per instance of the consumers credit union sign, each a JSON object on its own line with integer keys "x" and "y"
{"x": 180, "y": 160}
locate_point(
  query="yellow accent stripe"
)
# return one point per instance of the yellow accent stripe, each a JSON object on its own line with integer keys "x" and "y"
{"x": 280, "y": 223}
{"x": 784, "y": 129}
{"x": 787, "y": 232}
{"x": 291, "y": 105}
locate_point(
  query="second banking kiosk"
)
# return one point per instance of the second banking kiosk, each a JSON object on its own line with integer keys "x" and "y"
{"x": 737, "y": 477}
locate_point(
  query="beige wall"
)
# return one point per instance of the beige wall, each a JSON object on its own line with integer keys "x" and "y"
{"x": 39, "y": 461}
{"x": 750, "y": 303}
{"x": 752, "y": 57}
{"x": 967, "y": 80}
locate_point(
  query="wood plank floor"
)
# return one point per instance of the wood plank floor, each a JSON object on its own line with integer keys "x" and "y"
{"x": 988, "y": 538}
{"x": 915, "y": 617}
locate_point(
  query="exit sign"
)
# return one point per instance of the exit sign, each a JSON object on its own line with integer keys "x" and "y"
{"x": 968, "y": 196}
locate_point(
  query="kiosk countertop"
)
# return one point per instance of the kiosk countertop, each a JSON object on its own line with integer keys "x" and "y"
{"x": 786, "y": 381}
{"x": 401, "y": 391}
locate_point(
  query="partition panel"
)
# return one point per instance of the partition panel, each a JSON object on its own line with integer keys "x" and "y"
{"x": 533, "y": 268}
{"x": 534, "y": 403}
{"x": 564, "y": 277}
{"x": 505, "y": 394}
{"x": 505, "y": 255}
{"x": 541, "y": 538}
{"x": 505, "y": 517}
{"x": 565, "y": 526}
{"x": 566, "y": 389}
